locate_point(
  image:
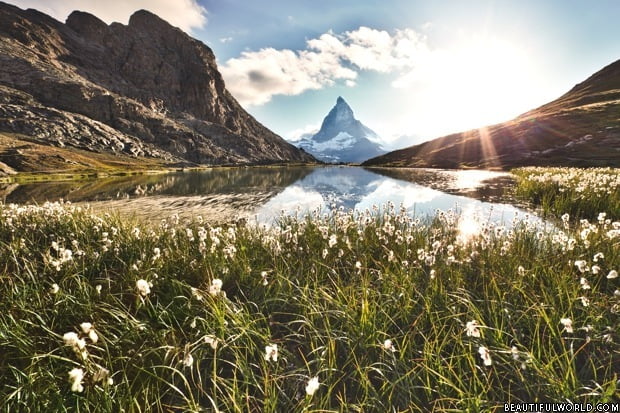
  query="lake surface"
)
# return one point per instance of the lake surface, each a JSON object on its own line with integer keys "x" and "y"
{"x": 263, "y": 193}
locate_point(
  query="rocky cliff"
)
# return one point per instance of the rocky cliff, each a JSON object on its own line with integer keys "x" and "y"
{"x": 143, "y": 90}
{"x": 580, "y": 128}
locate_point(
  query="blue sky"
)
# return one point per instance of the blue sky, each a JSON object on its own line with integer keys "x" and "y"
{"x": 419, "y": 69}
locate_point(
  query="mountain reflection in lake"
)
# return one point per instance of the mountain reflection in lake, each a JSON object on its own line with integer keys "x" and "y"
{"x": 224, "y": 194}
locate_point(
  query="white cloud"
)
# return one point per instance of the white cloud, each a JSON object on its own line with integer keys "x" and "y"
{"x": 256, "y": 76}
{"x": 300, "y": 133}
{"x": 185, "y": 14}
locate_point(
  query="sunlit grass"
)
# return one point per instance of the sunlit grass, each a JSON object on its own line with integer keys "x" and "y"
{"x": 581, "y": 193}
{"x": 369, "y": 312}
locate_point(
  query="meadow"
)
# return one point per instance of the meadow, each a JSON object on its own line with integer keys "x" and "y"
{"x": 577, "y": 192}
{"x": 373, "y": 311}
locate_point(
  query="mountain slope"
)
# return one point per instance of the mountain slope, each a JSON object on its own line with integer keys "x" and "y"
{"x": 580, "y": 128}
{"x": 145, "y": 89}
{"x": 342, "y": 138}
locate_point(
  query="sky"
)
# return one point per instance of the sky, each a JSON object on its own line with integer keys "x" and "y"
{"x": 411, "y": 70}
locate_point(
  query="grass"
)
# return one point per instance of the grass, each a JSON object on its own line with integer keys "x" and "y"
{"x": 328, "y": 290}
{"x": 581, "y": 193}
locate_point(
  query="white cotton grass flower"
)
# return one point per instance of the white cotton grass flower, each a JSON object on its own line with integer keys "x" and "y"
{"x": 471, "y": 328}
{"x": 595, "y": 269}
{"x": 515, "y": 353}
{"x": 312, "y": 386}
{"x": 143, "y": 287}
{"x": 271, "y": 352}
{"x": 71, "y": 339}
{"x": 76, "y": 376}
{"x": 581, "y": 265}
{"x": 98, "y": 288}
{"x": 87, "y": 328}
{"x": 598, "y": 256}
{"x": 188, "y": 360}
{"x": 612, "y": 274}
{"x": 568, "y": 324}
{"x": 212, "y": 341}
{"x": 521, "y": 271}
{"x": 585, "y": 285}
{"x": 196, "y": 294}
{"x": 216, "y": 287}
{"x": 389, "y": 346}
{"x": 485, "y": 355}
{"x": 54, "y": 289}
{"x": 263, "y": 276}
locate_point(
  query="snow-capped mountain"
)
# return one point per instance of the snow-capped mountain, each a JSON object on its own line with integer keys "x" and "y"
{"x": 342, "y": 138}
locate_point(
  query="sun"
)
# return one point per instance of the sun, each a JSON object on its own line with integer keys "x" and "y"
{"x": 476, "y": 81}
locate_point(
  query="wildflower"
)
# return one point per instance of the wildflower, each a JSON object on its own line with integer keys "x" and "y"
{"x": 585, "y": 301}
{"x": 188, "y": 360}
{"x": 87, "y": 328}
{"x": 515, "y": 353}
{"x": 568, "y": 324}
{"x": 212, "y": 341}
{"x": 71, "y": 339}
{"x": 312, "y": 386}
{"x": 271, "y": 352}
{"x": 55, "y": 288}
{"x": 196, "y": 294}
{"x": 471, "y": 329}
{"x": 581, "y": 265}
{"x": 143, "y": 287}
{"x": 612, "y": 274}
{"x": 98, "y": 288}
{"x": 216, "y": 287}
{"x": 332, "y": 240}
{"x": 485, "y": 355}
{"x": 75, "y": 377}
{"x": 103, "y": 374}
{"x": 389, "y": 346}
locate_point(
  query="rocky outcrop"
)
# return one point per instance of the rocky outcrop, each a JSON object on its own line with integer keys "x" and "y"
{"x": 580, "y": 128}
{"x": 145, "y": 89}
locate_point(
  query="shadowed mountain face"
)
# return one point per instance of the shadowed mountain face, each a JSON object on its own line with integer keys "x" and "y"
{"x": 342, "y": 138}
{"x": 145, "y": 89}
{"x": 581, "y": 128}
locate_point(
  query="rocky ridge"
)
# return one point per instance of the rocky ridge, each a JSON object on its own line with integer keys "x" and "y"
{"x": 145, "y": 89}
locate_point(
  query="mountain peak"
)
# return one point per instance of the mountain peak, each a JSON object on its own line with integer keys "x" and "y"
{"x": 342, "y": 138}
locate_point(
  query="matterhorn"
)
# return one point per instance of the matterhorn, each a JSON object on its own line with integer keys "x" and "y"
{"x": 342, "y": 138}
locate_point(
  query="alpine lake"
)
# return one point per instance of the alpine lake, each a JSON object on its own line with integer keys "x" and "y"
{"x": 262, "y": 194}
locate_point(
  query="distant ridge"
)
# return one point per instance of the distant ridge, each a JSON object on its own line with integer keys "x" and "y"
{"x": 580, "y": 128}
{"x": 145, "y": 90}
{"x": 342, "y": 138}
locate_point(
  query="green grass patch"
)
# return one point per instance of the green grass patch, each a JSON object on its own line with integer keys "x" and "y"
{"x": 377, "y": 306}
{"x": 581, "y": 193}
